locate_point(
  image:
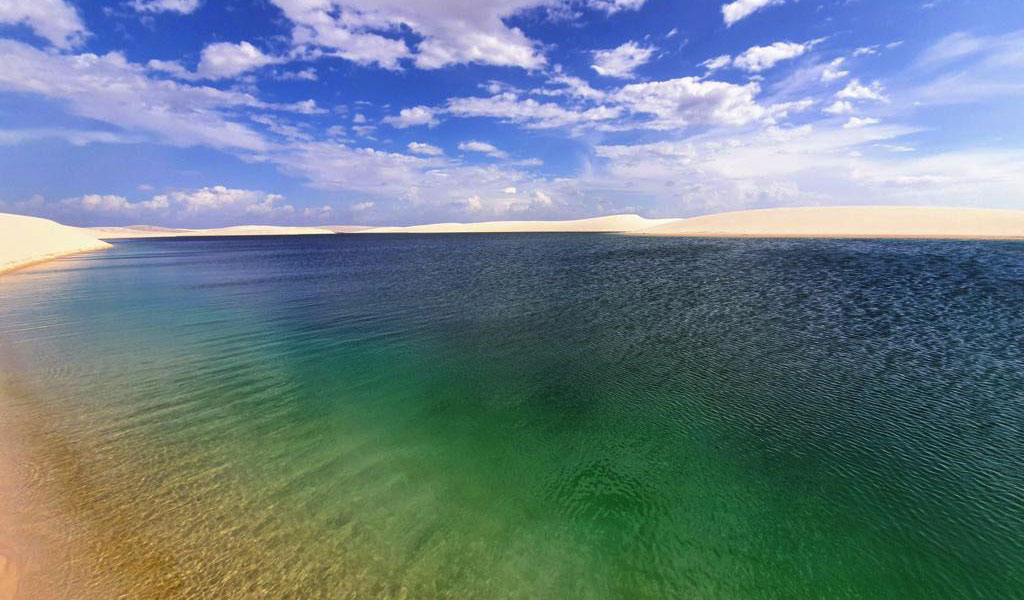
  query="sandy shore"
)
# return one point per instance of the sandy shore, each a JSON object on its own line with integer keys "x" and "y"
{"x": 29, "y": 240}
{"x": 149, "y": 231}
{"x": 609, "y": 224}
{"x": 853, "y": 221}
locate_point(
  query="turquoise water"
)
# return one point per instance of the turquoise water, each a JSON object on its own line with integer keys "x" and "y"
{"x": 520, "y": 416}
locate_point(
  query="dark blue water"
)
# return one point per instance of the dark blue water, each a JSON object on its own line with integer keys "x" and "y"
{"x": 531, "y": 416}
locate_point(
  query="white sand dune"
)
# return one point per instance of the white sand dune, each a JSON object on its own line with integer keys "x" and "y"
{"x": 852, "y": 221}
{"x": 151, "y": 231}
{"x": 345, "y": 228}
{"x": 610, "y": 224}
{"x": 28, "y": 240}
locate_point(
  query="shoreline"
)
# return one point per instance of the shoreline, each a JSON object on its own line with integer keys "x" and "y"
{"x": 29, "y": 241}
{"x": 838, "y": 236}
{"x": 45, "y": 259}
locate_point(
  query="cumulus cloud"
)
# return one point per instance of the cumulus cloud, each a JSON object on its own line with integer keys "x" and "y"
{"x": 510, "y": 108}
{"x": 220, "y": 202}
{"x": 622, "y": 61}
{"x": 365, "y": 31}
{"x": 838, "y": 107}
{"x": 740, "y": 9}
{"x": 855, "y": 90}
{"x": 686, "y": 101}
{"x": 53, "y": 20}
{"x": 411, "y": 117}
{"x": 224, "y": 59}
{"x": 182, "y": 7}
{"x": 483, "y": 148}
{"x": 762, "y": 58}
{"x": 613, "y": 6}
{"x": 221, "y": 60}
{"x": 834, "y": 71}
{"x": 424, "y": 149}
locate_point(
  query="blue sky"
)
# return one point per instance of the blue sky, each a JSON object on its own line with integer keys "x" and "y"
{"x": 216, "y": 112}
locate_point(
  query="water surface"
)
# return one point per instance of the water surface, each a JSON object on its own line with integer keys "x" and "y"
{"x": 518, "y": 416}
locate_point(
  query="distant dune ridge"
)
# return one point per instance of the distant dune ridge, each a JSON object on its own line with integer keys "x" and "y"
{"x": 852, "y": 221}
{"x": 609, "y": 224}
{"x": 142, "y": 231}
{"x": 28, "y": 240}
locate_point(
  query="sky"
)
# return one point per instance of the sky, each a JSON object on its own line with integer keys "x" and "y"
{"x": 218, "y": 112}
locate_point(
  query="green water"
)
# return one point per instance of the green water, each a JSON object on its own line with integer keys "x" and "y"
{"x": 520, "y": 416}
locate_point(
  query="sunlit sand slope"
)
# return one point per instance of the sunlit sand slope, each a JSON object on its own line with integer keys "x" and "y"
{"x": 612, "y": 223}
{"x": 28, "y": 240}
{"x": 853, "y": 221}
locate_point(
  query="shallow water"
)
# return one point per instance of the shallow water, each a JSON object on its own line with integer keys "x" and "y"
{"x": 517, "y": 416}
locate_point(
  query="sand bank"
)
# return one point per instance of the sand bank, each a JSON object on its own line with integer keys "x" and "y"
{"x": 28, "y": 240}
{"x": 610, "y": 224}
{"x": 150, "y": 231}
{"x": 346, "y": 228}
{"x": 853, "y": 221}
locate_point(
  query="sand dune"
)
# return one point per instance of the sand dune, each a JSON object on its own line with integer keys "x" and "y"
{"x": 28, "y": 240}
{"x": 345, "y": 228}
{"x": 151, "y": 231}
{"x": 611, "y": 224}
{"x": 852, "y": 221}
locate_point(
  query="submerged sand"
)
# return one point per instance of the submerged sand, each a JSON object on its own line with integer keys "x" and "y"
{"x": 609, "y": 224}
{"x": 853, "y": 221}
{"x": 29, "y": 240}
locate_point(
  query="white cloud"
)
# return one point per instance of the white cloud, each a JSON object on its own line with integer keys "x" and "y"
{"x": 54, "y": 20}
{"x": 783, "y": 109}
{"x": 865, "y": 51}
{"x": 466, "y": 32}
{"x": 761, "y": 58}
{"x": 224, "y": 200}
{"x": 569, "y": 86}
{"x": 613, "y": 6}
{"x": 686, "y": 101}
{"x": 834, "y": 71}
{"x": 838, "y": 107}
{"x": 424, "y": 149}
{"x": 182, "y": 7}
{"x": 855, "y": 122}
{"x": 510, "y": 108}
{"x": 622, "y": 61}
{"x": 300, "y": 75}
{"x": 102, "y": 203}
{"x": 971, "y": 69}
{"x": 716, "y": 63}
{"x": 671, "y": 33}
{"x": 855, "y": 90}
{"x": 222, "y": 60}
{"x": 483, "y": 148}
{"x": 75, "y": 137}
{"x": 740, "y": 9}
{"x": 410, "y": 117}
{"x": 220, "y": 202}
{"x": 108, "y": 88}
